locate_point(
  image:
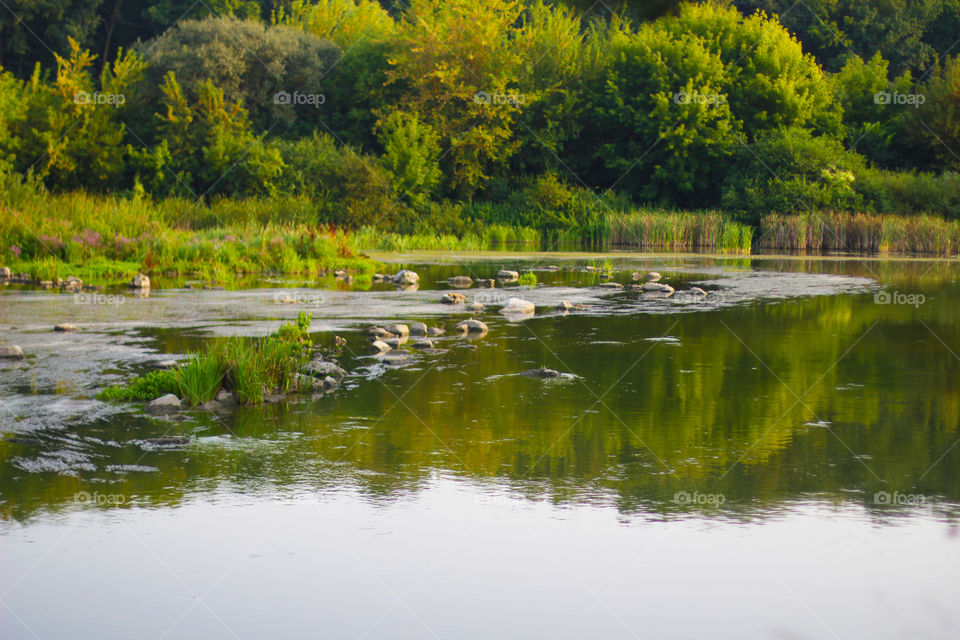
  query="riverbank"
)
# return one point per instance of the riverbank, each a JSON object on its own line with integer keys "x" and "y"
{"x": 105, "y": 240}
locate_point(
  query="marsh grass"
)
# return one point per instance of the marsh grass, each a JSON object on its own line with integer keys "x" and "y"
{"x": 673, "y": 230}
{"x": 102, "y": 238}
{"x": 250, "y": 368}
{"x": 860, "y": 233}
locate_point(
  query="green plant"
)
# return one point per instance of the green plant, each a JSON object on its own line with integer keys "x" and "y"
{"x": 529, "y": 279}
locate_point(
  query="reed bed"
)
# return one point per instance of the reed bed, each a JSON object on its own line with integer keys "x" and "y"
{"x": 485, "y": 238}
{"x": 678, "y": 230}
{"x": 860, "y": 233}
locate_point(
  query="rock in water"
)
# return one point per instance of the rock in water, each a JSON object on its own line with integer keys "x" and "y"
{"x": 476, "y": 307}
{"x": 11, "y": 352}
{"x": 66, "y": 327}
{"x": 508, "y": 276}
{"x": 696, "y": 291}
{"x": 518, "y": 306}
{"x": 140, "y": 281}
{"x": 329, "y": 384}
{"x": 425, "y": 343}
{"x": 472, "y": 326}
{"x": 164, "y": 404}
{"x": 610, "y": 285}
{"x": 542, "y": 373}
{"x": 418, "y": 329}
{"x": 653, "y": 276}
{"x": 379, "y": 346}
{"x": 461, "y": 282}
{"x": 433, "y": 332}
{"x": 405, "y": 276}
{"x": 453, "y": 298}
{"x": 225, "y": 398}
{"x": 5, "y": 273}
{"x": 657, "y": 287}
{"x": 400, "y": 330}
{"x": 488, "y": 283}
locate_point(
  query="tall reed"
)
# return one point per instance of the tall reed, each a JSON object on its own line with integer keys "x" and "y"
{"x": 860, "y": 233}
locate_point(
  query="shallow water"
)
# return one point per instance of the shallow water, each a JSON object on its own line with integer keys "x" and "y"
{"x": 778, "y": 460}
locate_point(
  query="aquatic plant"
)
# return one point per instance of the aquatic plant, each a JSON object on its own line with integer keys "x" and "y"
{"x": 250, "y": 368}
{"x": 529, "y": 278}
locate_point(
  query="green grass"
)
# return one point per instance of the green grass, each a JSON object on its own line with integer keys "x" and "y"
{"x": 672, "y": 230}
{"x": 250, "y": 368}
{"x": 529, "y": 278}
{"x": 107, "y": 238}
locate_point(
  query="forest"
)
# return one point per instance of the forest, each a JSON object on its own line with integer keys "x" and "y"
{"x": 433, "y": 117}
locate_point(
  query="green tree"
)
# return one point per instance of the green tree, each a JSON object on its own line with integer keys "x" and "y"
{"x": 411, "y": 152}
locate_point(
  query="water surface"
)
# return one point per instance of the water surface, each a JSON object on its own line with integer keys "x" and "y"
{"x": 778, "y": 460}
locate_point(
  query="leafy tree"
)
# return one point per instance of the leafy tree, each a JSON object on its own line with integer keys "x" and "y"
{"x": 411, "y": 151}
{"x": 791, "y": 170}
{"x": 275, "y": 72}
{"x": 931, "y": 131}
{"x": 206, "y": 148}
{"x": 460, "y": 65}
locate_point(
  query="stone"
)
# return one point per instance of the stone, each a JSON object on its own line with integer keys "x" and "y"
{"x": 541, "y": 373}
{"x": 5, "y": 273}
{"x": 211, "y": 405}
{"x": 11, "y": 352}
{"x": 486, "y": 283}
{"x": 320, "y": 368}
{"x": 164, "y": 404}
{"x": 424, "y": 343}
{"x": 472, "y": 326}
{"x": 418, "y": 329}
{"x": 168, "y": 441}
{"x": 379, "y": 277}
{"x": 46, "y": 284}
{"x": 379, "y": 332}
{"x": 339, "y": 342}
{"x": 379, "y": 346}
{"x": 565, "y": 307}
{"x": 518, "y": 306}
{"x": 167, "y": 364}
{"x": 610, "y": 285}
{"x": 433, "y": 332}
{"x": 653, "y": 276}
{"x": 476, "y": 307}
{"x": 460, "y": 282}
{"x": 696, "y": 291}
{"x": 140, "y": 281}
{"x": 66, "y": 327}
{"x": 330, "y": 383}
{"x": 394, "y": 343}
{"x": 225, "y": 398}
{"x": 453, "y": 298}
{"x": 405, "y": 276}
{"x": 340, "y": 274}
{"x": 656, "y": 287}
{"x": 508, "y": 276}
{"x": 400, "y": 330}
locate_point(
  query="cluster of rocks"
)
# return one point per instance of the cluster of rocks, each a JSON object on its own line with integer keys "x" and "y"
{"x": 649, "y": 283}
{"x": 70, "y": 284}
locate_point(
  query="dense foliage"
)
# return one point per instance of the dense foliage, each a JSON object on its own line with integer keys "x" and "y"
{"x": 427, "y": 116}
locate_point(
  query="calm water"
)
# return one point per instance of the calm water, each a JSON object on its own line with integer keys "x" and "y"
{"x": 780, "y": 460}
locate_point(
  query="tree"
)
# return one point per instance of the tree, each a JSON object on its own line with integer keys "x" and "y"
{"x": 411, "y": 149}
{"x": 276, "y": 73}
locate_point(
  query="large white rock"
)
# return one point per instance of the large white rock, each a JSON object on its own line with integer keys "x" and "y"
{"x": 518, "y": 306}
{"x": 164, "y": 404}
{"x": 11, "y": 352}
{"x": 405, "y": 276}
